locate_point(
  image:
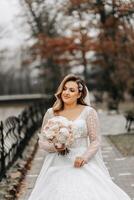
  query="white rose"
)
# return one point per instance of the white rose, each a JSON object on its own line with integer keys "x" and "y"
{"x": 62, "y": 139}
{"x": 54, "y": 127}
{"x": 64, "y": 131}
{"x": 49, "y": 134}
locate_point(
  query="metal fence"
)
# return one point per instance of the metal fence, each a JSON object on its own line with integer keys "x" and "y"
{"x": 15, "y": 132}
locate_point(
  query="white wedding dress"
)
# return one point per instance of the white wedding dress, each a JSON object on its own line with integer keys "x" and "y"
{"x": 60, "y": 180}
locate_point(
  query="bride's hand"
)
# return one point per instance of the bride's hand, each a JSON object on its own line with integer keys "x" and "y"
{"x": 79, "y": 162}
{"x": 61, "y": 148}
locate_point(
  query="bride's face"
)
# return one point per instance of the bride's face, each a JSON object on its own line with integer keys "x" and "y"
{"x": 70, "y": 92}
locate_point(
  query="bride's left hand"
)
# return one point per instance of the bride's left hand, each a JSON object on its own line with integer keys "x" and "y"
{"x": 79, "y": 161}
{"x": 61, "y": 148}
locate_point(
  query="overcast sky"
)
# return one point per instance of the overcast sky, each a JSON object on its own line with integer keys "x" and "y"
{"x": 7, "y": 11}
{"x": 13, "y": 36}
{"x": 12, "y": 30}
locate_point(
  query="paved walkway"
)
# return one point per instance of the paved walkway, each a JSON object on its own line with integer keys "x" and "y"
{"x": 120, "y": 168}
{"x": 112, "y": 124}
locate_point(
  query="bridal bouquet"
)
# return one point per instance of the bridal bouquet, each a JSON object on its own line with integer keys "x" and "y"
{"x": 59, "y": 131}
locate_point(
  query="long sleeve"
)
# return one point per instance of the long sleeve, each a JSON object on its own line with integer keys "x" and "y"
{"x": 94, "y": 135}
{"x": 47, "y": 146}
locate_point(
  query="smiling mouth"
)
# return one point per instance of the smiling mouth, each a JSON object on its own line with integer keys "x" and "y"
{"x": 66, "y": 97}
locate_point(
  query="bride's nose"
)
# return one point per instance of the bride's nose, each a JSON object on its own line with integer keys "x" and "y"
{"x": 67, "y": 91}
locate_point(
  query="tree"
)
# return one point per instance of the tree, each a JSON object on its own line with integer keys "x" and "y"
{"x": 43, "y": 25}
{"x": 114, "y": 21}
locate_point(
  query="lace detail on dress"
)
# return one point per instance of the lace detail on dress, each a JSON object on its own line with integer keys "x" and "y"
{"x": 86, "y": 127}
{"x": 93, "y": 133}
{"x": 79, "y": 129}
{"x": 47, "y": 146}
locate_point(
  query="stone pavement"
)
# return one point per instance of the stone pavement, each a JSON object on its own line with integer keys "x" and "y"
{"x": 120, "y": 168}
{"x": 112, "y": 124}
{"x": 32, "y": 174}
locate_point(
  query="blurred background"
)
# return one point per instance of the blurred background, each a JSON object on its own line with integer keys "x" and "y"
{"x": 41, "y": 41}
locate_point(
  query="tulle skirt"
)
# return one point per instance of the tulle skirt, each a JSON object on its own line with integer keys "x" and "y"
{"x": 60, "y": 180}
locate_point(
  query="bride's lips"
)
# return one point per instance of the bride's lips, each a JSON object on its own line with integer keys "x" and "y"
{"x": 66, "y": 97}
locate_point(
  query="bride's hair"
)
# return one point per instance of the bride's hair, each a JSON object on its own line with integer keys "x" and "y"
{"x": 58, "y": 105}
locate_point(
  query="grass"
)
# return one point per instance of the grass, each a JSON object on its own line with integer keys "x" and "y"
{"x": 124, "y": 143}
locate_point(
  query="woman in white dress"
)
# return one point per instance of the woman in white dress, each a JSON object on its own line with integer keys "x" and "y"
{"x": 81, "y": 174}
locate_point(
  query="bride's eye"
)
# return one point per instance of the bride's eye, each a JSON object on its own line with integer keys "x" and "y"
{"x": 64, "y": 88}
{"x": 72, "y": 90}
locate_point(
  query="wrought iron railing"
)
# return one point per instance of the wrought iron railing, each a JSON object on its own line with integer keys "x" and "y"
{"x": 15, "y": 132}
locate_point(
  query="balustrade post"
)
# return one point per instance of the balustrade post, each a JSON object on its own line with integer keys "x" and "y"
{"x": 2, "y": 150}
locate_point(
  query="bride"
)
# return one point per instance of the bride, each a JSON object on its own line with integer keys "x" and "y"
{"x": 81, "y": 174}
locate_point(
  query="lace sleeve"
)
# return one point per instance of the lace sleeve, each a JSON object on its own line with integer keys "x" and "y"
{"x": 94, "y": 135}
{"x": 47, "y": 146}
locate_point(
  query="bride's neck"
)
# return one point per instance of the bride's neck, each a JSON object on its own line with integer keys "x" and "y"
{"x": 71, "y": 106}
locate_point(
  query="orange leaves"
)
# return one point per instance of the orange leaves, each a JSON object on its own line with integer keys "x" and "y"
{"x": 62, "y": 48}
{"x": 57, "y": 45}
{"x": 55, "y": 48}
{"x": 126, "y": 7}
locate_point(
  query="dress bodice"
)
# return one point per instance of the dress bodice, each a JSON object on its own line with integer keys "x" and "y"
{"x": 86, "y": 132}
{"x": 80, "y": 129}
{"x": 80, "y": 133}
